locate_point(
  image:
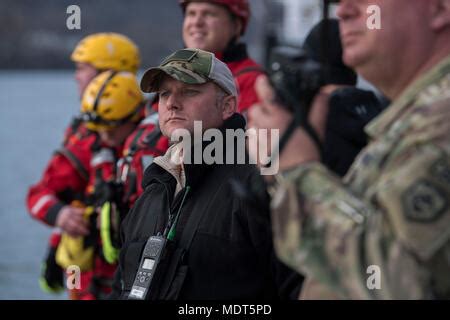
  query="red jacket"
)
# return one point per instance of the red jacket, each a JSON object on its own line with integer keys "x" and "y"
{"x": 145, "y": 143}
{"x": 65, "y": 179}
{"x": 245, "y": 71}
{"x": 71, "y": 175}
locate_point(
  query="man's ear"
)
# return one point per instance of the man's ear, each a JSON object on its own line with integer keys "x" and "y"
{"x": 229, "y": 106}
{"x": 440, "y": 15}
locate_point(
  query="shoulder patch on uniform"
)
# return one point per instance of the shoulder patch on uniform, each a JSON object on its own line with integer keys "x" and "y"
{"x": 424, "y": 201}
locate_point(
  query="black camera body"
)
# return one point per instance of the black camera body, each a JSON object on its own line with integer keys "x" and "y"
{"x": 295, "y": 77}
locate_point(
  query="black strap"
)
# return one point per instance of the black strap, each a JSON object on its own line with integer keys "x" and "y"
{"x": 76, "y": 122}
{"x": 132, "y": 188}
{"x": 149, "y": 140}
{"x": 314, "y": 136}
{"x": 74, "y": 126}
{"x": 102, "y": 88}
{"x": 74, "y": 161}
{"x": 134, "y": 143}
{"x": 152, "y": 138}
{"x": 134, "y": 147}
{"x": 294, "y": 124}
{"x": 95, "y": 118}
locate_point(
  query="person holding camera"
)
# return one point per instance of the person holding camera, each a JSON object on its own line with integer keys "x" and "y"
{"x": 345, "y": 108}
{"x": 381, "y": 232}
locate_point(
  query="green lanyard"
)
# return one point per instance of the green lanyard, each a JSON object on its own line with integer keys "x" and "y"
{"x": 171, "y": 235}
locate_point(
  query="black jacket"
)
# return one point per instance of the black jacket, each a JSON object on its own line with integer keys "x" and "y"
{"x": 231, "y": 255}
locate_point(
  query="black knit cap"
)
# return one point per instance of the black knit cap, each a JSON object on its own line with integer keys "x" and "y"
{"x": 336, "y": 72}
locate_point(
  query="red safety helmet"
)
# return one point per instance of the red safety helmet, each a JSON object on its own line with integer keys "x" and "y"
{"x": 239, "y": 8}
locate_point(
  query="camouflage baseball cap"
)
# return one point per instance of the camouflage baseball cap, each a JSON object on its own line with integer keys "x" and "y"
{"x": 192, "y": 66}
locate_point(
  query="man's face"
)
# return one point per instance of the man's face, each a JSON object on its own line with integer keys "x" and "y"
{"x": 208, "y": 26}
{"x": 84, "y": 73}
{"x": 181, "y": 104}
{"x": 370, "y": 51}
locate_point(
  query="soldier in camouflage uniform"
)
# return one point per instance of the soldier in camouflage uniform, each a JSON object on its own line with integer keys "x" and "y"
{"x": 390, "y": 215}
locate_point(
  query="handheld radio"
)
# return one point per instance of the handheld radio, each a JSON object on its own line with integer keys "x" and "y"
{"x": 155, "y": 257}
{"x": 150, "y": 259}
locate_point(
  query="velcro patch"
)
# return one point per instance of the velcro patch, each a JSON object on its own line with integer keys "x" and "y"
{"x": 440, "y": 170}
{"x": 425, "y": 201}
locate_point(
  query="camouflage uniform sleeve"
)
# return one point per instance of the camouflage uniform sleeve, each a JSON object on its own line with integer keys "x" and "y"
{"x": 398, "y": 229}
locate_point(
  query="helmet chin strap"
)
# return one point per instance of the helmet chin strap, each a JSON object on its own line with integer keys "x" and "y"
{"x": 100, "y": 92}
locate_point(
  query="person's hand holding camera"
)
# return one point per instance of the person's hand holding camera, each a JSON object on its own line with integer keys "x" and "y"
{"x": 268, "y": 114}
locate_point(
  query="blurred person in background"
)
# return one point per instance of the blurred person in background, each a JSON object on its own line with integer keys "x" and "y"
{"x": 217, "y": 26}
{"x": 59, "y": 186}
{"x": 112, "y": 106}
{"x": 347, "y": 109}
{"x": 343, "y": 108}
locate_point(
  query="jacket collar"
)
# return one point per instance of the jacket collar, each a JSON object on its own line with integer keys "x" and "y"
{"x": 382, "y": 123}
{"x": 233, "y": 52}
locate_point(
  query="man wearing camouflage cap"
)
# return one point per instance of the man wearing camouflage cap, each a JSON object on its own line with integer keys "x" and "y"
{"x": 383, "y": 232}
{"x": 217, "y": 247}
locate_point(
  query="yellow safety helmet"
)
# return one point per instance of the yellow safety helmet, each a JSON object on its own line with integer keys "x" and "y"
{"x": 111, "y": 99}
{"x": 108, "y": 51}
